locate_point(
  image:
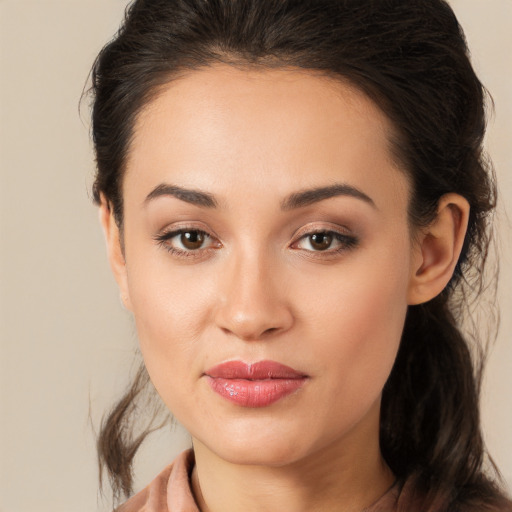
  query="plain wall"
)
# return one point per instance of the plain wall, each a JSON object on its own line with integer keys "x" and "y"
{"x": 66, "y": 343}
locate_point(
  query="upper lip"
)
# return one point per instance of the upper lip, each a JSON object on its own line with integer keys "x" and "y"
{"x": 260, "y": 370}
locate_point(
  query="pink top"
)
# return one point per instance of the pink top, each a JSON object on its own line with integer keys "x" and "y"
{"x": 170, "y": 492}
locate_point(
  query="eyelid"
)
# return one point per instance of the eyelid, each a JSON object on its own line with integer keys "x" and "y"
{"x": 164, "y": 236}
{"x": 184, "y": 226}
{"x": 312, "y": 228}
{"x": 346, "y": 239}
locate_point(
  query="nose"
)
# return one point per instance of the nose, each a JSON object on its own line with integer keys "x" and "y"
{"x": 253, "y": 301}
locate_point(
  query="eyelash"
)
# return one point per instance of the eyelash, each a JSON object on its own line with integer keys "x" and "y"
{"x": 164, "y": 239}
{"x": 347, "y": 242}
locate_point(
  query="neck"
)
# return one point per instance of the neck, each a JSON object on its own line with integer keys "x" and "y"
{"x": 348, "y": 475}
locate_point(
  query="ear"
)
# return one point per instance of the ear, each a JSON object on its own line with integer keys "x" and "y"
{"x": 438, "y": 249}
{"x": 115, "y": 250}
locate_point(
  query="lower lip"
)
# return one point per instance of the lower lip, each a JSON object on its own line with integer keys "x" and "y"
{"x": 254, "y": 393}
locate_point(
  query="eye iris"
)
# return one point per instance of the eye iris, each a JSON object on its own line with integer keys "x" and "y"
{"x": 192, "y": 239}
{"x": 321, "y": 241}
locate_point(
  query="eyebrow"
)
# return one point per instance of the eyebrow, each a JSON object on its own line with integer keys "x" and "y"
{"x": 314, "y": 195}
{"x": 196, "y": 197}
{"x": 296, "y": 200}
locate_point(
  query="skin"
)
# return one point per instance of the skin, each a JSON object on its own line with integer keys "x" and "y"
{"x": 259, "y": 289}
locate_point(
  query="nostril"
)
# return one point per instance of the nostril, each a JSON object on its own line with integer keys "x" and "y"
{"x": 252, "y": 335}
{"x": 252, "y": 317}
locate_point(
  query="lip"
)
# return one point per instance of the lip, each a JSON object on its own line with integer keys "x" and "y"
{"x": 257, "y": 384}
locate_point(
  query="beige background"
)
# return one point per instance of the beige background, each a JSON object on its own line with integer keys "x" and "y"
{"x": 65, "y": 340}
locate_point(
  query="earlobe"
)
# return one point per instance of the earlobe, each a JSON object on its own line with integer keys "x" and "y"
{"x": 438, "y": 249}
{"x": 115, "y": 251}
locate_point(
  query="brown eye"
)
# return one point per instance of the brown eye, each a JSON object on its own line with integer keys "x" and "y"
{"x": 320, "y": 241}
{"x": 187, "y": 242}
{"x": 329, "y": 242}
{"x": 192, "y": 240}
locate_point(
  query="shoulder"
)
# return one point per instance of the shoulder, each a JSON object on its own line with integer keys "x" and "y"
{"x": 168, "y": 492}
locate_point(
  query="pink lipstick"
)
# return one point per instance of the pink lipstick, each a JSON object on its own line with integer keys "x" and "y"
{"x": 254, "y": 385}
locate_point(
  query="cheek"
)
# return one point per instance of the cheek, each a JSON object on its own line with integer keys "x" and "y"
{"x": 364, "y": 323}
{"x": 170, "y": 307}
{"x": 359, "y": 315}
{"x": 169, "y": 317}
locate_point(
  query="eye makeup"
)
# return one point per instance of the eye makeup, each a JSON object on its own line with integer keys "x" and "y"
{"x": 318, "y": 242}
{"x": 187, "y": 242}
{"x": 325, "y": 241}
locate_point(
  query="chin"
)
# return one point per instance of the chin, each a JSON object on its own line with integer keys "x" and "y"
{"x": 255, "y": 455}
{"x": 263, "y": 447}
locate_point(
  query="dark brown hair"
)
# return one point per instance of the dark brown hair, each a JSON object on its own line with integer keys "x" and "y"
{"x": 411, "y": 58}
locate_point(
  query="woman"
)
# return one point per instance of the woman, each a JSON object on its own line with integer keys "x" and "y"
{"x": 296, "y": 207}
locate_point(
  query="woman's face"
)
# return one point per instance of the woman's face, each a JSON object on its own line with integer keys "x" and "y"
{"x": 266, "y": 222}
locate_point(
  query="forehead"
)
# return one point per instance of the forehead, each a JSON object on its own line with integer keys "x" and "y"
{"x": 279, "y": 129}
